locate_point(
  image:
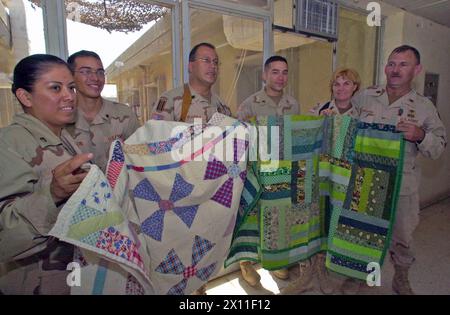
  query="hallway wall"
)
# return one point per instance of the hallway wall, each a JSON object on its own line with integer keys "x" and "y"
{"x": 433, "y": 41}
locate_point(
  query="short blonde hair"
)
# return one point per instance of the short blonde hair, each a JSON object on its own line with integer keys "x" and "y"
{"x": 347, "y": 73}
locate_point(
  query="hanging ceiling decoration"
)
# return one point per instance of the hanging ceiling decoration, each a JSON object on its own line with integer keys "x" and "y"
{"x": 112, "y": 15}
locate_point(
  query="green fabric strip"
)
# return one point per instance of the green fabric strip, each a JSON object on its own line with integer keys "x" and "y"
{"x": 251, "y": 219}
{"x": 340, "y": 139}
{"x": 377, "y": 134}
{"x": 309, "y": 181}
{"x": 335, "y": 169}
{"x": 312, "y": 234}
{"x": 387, "y": 148}
{"x": 365, "y": 190}
{"x": 250, "y": 225}
{"x": 347, "y": 272}
{"x": 246, "y": 241}
{"x": 396, "y": 195}
{"x": 325, "y": 165}
{"x": 305, "y": 233}
{"x": 287, "y": 138}
{"x": 277, "y": 179}
{"x": 305, "y": 227}
{"x": 375, "y": 254}
{"x": 376, "y": 151}
{"x": 381, "y": 144}
{"x": 365, "y": 218}
{"x": 94, "y": 224}
{"x": 352, "y": 254}
{"x": 274, "y": 165}
{"x": 325, "y": 186}
{"x": 338, "y": 195}
{"x": 305, "y": 119}
{"x": 282, "y": 226}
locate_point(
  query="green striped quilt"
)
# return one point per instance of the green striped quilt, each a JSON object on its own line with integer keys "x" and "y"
{"x": 334, "y": 188}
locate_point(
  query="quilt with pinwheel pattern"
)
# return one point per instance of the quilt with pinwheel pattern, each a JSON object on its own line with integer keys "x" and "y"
{"x": 175, "y": 192}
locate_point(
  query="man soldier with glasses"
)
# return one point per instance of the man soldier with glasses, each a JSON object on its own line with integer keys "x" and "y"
{"x": 98, "y": 121}
{"x": 195, "y": 99}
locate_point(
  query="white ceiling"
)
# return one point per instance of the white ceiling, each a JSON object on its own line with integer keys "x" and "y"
{"x": 435, "y": 10}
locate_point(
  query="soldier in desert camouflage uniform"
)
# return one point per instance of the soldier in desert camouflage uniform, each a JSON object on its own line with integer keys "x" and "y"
{"x": 345, "y": 82}
{"x": 196, "y": 98}
{"x": 417, "y": 118}
{"x": 98, "y": 121}
{"x": 39, "y": 170}
{"x": 270, "y": 100}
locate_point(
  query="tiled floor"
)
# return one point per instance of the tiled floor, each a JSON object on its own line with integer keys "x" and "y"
{"x": 429, "y": 275}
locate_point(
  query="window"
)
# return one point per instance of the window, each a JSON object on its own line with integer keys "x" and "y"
{"x": 135, "y": 49}
{"x": 21, "y": 34}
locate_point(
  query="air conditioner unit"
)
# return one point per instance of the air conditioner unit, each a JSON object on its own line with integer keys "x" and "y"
{"x": 317, "y": 17}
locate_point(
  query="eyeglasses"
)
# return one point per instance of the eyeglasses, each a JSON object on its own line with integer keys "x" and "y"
{"x": 89, "y": 72}
{"x": 215, "y": 62}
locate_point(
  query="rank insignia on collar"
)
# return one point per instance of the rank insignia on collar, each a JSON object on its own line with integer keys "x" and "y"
{"x": 411, "y": 113}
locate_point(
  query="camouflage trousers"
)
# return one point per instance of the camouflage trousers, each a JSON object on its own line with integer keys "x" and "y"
{"x": 406, "y": 221}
